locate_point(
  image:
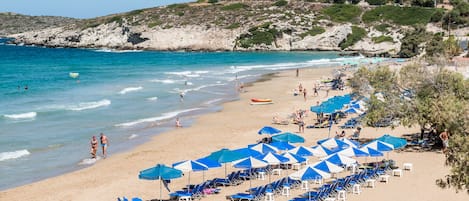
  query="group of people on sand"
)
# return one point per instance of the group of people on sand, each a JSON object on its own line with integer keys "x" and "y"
{"x": 94, "y": 145}
{"x": 302, "y": 90}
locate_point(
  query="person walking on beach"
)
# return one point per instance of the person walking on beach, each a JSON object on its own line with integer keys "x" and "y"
{"x": 178, "y": 123}
{"x": 315, "y": 92}
{"x": 444, "y": 138}
{"x": 94, "y": 146}
{"x": 297, "y": 72}
{"x": 104, "y": 144}
{"x": 304, "y": 94}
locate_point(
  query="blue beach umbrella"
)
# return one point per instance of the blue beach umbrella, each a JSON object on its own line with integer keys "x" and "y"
{"x": 282, "y": 145}
{"x": 340, "y": 159}
{"x": 333, "y": 143}
{"x": 160, "y": 172}
{"x": 394, "y": 141}
{"x": 288, "y": 137}
{"x": 246, "y": 152}
{"x": 302, "y": 151}
{"x": 190, "y": 166}
{"x": 209, "y": 162}
{"x": 225, "y": 156}
{"x": 263, "y": 148}
{"x": 328, "y": 167}
{"x": 353, "y": 152}
{"x": 320, "y": 151}
{"x": 353, "y": 111}
{"x": 268, "y": 130}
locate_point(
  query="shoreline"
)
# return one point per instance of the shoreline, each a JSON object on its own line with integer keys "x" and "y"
{"x": 117, "y": 175}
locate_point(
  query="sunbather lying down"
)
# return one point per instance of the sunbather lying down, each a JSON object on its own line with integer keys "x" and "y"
{"x": 276, "y": 120}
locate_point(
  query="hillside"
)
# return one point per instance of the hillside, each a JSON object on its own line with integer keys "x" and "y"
{"x": 12, "y": 23}
{"x": 252, "y": 25}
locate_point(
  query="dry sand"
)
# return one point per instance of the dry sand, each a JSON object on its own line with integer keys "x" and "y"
{"x": 234, "y": 127}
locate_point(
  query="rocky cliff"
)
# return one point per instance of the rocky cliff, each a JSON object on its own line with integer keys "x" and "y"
{"x": 220, "y": 27}
{"x": 12, "y": 23}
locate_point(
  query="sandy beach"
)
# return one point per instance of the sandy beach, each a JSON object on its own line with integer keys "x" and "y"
{"x": 236, "y": 126}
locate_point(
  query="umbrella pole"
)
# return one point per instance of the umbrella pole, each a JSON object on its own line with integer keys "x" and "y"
{"x": 203, "y": 176}
{"x": 225, "y": 169}
{"x": 189, "y": 182}
{"x": 161, "y": 193}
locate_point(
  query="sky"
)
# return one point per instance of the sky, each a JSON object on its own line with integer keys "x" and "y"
{"x": 79, "y": 8}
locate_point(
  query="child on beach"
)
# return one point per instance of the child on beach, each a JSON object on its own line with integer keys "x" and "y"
{"x": 178, "y": 123}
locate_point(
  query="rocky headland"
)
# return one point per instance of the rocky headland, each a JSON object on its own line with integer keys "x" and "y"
{"x": 228, "y": 26}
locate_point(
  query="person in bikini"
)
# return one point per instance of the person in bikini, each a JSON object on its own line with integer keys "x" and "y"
{"x": 94, "y": 146}
{"x": 104, "y": 144}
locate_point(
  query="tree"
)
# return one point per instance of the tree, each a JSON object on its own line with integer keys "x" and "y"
{"x": 422, "y": 96}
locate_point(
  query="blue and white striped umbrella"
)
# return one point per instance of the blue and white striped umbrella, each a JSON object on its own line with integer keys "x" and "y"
{"x": 353, "y": 152}
{"x": 293, "y": 158}
{"x": 302, "y": 151}
{"x": 350, "y": 142}
{"x": 320, "y": 151}
{"x": 340, "y": 159}
{"x": 250, "y": 162}
{"x": 328, "y": 167}
{"x": 333, "y": 143}
{"x": 273, "y": 158}
{"x": 190, "y": 166}
{"x": 372, "y": 152}
{"x": 380, "y": 146}
{"x": 309, "y": 173}
{"x": 263, "y": 148}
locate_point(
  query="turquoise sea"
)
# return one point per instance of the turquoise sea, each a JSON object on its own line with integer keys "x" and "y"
{"x": 129, "y": 95}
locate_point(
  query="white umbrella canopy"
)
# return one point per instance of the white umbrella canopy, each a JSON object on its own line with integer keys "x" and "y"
{"x": 320, "y": 151}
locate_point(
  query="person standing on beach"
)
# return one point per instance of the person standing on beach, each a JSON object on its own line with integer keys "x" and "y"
{"x": 94, "y": 146}
{"x": 297, "y": 72}
{"x": 104, "y": 144}
{"x": 301, "y": 125}
{"x": 178, "y": 123}
{"x": 445, "y": 138}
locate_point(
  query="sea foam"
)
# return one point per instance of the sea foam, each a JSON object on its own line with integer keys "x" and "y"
{"x": 89, "y": 105}
{"x": 130, "y": 89}
{"x": 163, "y": 116}
{"x": 13, "y": 154}
{"x": 27, "y": 115}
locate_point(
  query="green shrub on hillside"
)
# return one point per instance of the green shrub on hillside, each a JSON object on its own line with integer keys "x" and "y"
{"x": 381, "y": 39}
{"x": 233, "y": 26}
{"x": 437, "y": 15}
{"x": 280, "y": 3}
{"x": 423, "y": 3}
{"x": 343, "y": 13}
{"x": 212, "y": 1}
{"x": 357, "y": 34}
{"x": 434, "y": 47}
{"x": 399, "y": 15}
{"x": 411, "y": 41}
{"x": 376, "y": 2}
{"x": 313, "y": 31}
{"x": 258, "y": 35}
{"x": 383, "y": 27}
{"x": 178, "y": 6}
{"x": 235, "y": 6}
